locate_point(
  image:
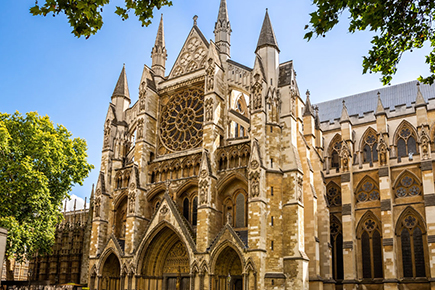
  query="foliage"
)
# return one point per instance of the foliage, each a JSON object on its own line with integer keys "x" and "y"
{"x": 400, "y": 25}
{"x": 39, "y": 164}
{"x": 85, "y": 17}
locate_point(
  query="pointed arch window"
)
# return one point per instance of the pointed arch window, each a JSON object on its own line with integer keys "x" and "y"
{"x": 369, "y": 146}
{"x": 333, "y": 193}
{"x": 407, "y": 185}
{"x": 367, "y": 190}
{"x": 411, "y": 232}
{"x": 369, "y": 234}
{"x": 195, "y": 211}
{"x": 334, "y": 151}
{"x": 337, "y": 248}
{"x": 406, "y": 141}
{"x": 240, "y": 221}
{"x": 186, "y": 211}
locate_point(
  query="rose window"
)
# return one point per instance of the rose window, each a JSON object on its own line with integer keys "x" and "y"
{"x": 181, "y": 121}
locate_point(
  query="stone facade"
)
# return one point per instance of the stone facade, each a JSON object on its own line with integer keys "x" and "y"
{"x": 68, "y": 262}
{"x": 222, "y": 176}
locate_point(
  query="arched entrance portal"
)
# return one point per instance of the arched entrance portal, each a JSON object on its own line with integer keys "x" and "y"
{"x": 110, "y": 274}
{"x": 228, "y": 271}
{"x": 166, "y": 263}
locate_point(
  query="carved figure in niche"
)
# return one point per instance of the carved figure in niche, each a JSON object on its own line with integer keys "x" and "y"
{"x": 142, "y": 103}
{"x": 140, "y": 128}
{"x": 424, "y": 141}
{"x": 107, "y": 134}
{"x": 300, "y": 188}
{"x": 255, "y": 183}
{"x": 345, "y": 154}
{"x": 131, "y": 201}
{"x": 293, "y": 102}
{"x": 97, "y": 206}
{"x": 229, "y": 218}
{"x": 210, "y": 75}
{"x": 203, "y": 191}
{"x": 257, "y": 89}
{"x": 382, "y": 150}
{"x": 209, "y": 110}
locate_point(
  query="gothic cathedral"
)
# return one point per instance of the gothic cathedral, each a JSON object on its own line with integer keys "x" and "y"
{"x": 224, "y": 177}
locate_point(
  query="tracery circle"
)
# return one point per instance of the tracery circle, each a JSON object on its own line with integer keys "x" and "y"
{"x": 181, "y": 120}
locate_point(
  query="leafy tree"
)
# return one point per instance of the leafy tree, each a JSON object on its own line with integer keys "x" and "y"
{"x": 39, "y": 164}
{"x": 400, "y": 25}
{"x": 85, "y": 17}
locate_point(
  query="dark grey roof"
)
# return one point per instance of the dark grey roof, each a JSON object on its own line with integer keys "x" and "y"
{"x": 391, "y": 96}
{"x": 267, "y": 36}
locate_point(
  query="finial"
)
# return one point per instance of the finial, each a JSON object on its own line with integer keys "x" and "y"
{"x": 266, "y": 9}
{"x": 308, "y": 93}
{"x": 379, "y": 95}
{"x": 64, "y": 209}
{"x": 75, "y": 203}
{"x": 195, "y": 18}
{"x": 344, "y": 103}
{"x": 84, "y": 207}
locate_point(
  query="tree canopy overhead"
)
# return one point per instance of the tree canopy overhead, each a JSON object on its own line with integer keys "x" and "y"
{"x": 39, "y": 165}
{"x": 400, "y": 25}
{"x": 85, "y": 17}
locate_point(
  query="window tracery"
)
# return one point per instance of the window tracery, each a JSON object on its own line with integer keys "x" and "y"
{"x": 333, "y": 193}
{"x": 181, "y": 121}
{"x": 407, "y": 185}
{"x": 337, "y": 248}
{"x": 367, "y": 190}
{"x": 411, "y": 230}
{"x": 369, "y": 233}
{"x": 370, "y": 146}
{"x": 406, "y": 140}
{"x": 334, "y": 151}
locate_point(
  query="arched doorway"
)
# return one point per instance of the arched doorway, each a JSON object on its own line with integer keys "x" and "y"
{"x": 228, "y": 271}
{"x": 166, "y": 264}
{"x": 111, "y": 274}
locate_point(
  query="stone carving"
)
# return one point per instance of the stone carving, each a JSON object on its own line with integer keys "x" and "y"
{"x": 142, "y": 103}
{"x": 345, "y": 154}
{"x": 209, "y": 110}
{"x": 254, "y": 164}
{"x": 192, "y": 57}
{"x": 300, "y": 188}
{"x": 140, "y": 128}
{"x": 257, "y": 89}
{"x": 131, "y": 200}
{"x": 424, "y": 143}
{"x": 203, "y": 187}
{"x": 210, "y": 75}
{"x": 382, "y": 150}
{"x": 164, "y": 210}
{"x": 107, "y": 131}
{"x": 97, "y": 206}
{"x": 255, "y": 183}
{"x": 229, "y": 218}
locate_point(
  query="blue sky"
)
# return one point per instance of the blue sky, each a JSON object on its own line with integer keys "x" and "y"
{"x": 44, "y": 68}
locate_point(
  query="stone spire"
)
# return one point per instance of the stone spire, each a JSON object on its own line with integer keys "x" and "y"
{"x": 121, "y": 96}
{"x": 380, "y": 107}
{"x": 222, "y": 31}
{"x": 121, "y": 88}
{"x": 159, "y": 53}
{"x": 419, "y": 101}
{"x": 344, "y": 114}
{"x": 267, "y": 36}
{"x": 308, "y": 107}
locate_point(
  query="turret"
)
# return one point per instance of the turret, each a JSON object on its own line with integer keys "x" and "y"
{"x": 159, "y": 53}
{"x": 222, "y": 32}
{"x": 121, "y": 95}
{"x": 267, "y": 49}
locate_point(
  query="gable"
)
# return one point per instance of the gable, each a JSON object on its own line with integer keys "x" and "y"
{"x": 193, "y": 54}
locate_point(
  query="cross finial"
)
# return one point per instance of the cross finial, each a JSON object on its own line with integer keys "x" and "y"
{"x": 195, "y": 18}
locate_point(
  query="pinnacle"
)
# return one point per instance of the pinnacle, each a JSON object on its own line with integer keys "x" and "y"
{"x": 344, "y": 113}
{"x": 308, "y": 107}
{"x": 160, "y": 38}
{"x": 223, "y": 11}
{"x": 419, "y": 100}
{"x": 267, "y": 35}
{"x": 121, "y": 88}
{"x": 380, "y": 107}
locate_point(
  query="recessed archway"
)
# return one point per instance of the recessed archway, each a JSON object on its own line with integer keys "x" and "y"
{"x": 110, "y": 278}
{"x": 228, "y": 271}
{"x": 166, "y": 263}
